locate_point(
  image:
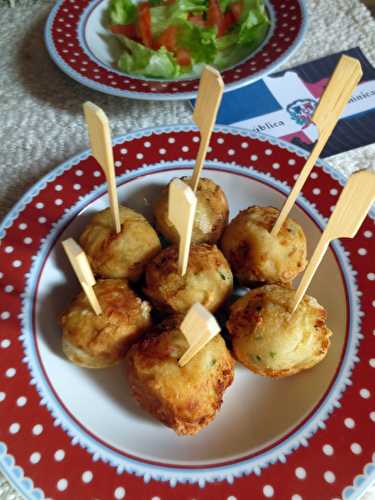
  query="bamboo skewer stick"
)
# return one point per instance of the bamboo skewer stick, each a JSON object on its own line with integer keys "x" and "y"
{"x": 208, "y": 101}
{"x": 345, "y": 78}
{"x": 199, "y": 326}
{"x": 351, "y": 209}
{"x": 81, "y": 266}
{"x": 182, "y": 203}
{"x": 101, "y": 145}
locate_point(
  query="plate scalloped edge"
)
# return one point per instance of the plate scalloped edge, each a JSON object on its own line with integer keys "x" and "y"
{"x": 360, "y": 481}
{"x": 16, "y": 477}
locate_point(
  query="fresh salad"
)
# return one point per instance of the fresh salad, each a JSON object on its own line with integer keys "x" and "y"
{"x": 167, "y": 38}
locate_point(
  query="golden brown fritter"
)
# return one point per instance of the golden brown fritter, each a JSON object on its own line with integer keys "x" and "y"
{"x": 183, "y": 398}
{"x": 122, "y": 255}
{"x": 208, "y": 279}
{"x": 211, "y": 215}
{"x": 255, "y": 255}
{"x": 100, "y": 341}
{"x": 270, "y": 341}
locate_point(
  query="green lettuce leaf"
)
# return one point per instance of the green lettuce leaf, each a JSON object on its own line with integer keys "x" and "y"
{"x": 200, "y": 42}
{"x": 254, "y": 23}
{"x": 138, "y": 59}
{"x": 226, "y": 41}
{"x": 122, "y": 12}
{"x": 164, "y": 16}
{"x": 224, "y": 4}
{"x": 230, "y": 56}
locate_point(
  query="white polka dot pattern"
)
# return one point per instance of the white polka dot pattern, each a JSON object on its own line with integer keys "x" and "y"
{"x": 119, "y": 493}
{"x": 300, "y": 473}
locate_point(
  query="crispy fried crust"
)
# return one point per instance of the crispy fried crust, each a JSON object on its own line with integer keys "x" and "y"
{"x": 255, "y": 255}
{"x": 185, "y": 399}
{"x": 208, "y": 279}
{"x": 210, "y": 218}
{"x": 100, "y": 341}
{"x": 270, "y": 341}
{"x": 122, "y": 255}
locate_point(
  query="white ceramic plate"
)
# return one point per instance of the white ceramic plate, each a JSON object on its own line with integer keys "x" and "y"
{"x": 85, "y": 426}
{"x": 78, "y": 43}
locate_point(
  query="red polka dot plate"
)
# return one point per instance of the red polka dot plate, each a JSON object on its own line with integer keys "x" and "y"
{"x": 77, "y": 41}
{"x": 70, "y": 433}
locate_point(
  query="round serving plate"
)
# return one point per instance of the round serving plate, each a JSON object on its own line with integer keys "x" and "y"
{"x": 78, "y": 43}
{"x": 302, "y": 437}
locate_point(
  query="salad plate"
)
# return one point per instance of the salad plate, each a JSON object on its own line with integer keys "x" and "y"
{"x": 80, "y": 43}
{"x": 302, "y": 437}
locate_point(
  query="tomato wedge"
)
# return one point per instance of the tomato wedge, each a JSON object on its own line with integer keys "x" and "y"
{"x": 215, "y": 17}
{"x": 167, "y": 39}
{"x": 183, "y": 57}
{"x": 229, "y": 21}
{"x": 197, "y": 20}
{"x": 128, "y": 30}
{"x": 144, "y": 24}
{"x": 236, "y": 9}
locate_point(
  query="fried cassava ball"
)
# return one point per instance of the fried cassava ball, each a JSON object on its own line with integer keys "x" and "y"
{"x": 271, "y": 341}
{"x": 98, "y": 341}
{"x": 208, "y": 279}
{"x": 211, "y": 214}
{"x": 183, "y": 398}
{"x": 122, "y": 255}
{"x": 257, "y": 256}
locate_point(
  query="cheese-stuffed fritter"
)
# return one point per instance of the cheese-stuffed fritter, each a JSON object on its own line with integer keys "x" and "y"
{"x": 271, "y": 341}
{"x": 122, "y": 255}
{"x": 211, "y": 214}
{"x": 98, "y": 341}
{"x": 208, "y": 279}
{"x": 257, "y": 256}
{"x": 183, "y": 398}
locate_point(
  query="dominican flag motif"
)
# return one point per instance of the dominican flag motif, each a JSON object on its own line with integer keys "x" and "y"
{"x": 282, "y": 104}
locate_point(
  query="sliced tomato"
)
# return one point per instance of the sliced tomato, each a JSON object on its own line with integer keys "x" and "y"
{"x": 167, "y": 39}
{"x": 197, "y": 20}
{"x": 229, "y": 21}
{"x": 128, "y": 30}
{"x": 236, "y": 9}
{"x": 215, "y": 17}
{"x": 183, "y": 57}
{"x": 144, "y": 24}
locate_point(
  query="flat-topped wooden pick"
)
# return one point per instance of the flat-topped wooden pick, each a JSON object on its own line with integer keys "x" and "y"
{"x": 210, "y": 92}
{"x": 199, "y": 326}
{"x": 351, "y": 209}
{"x": 101, "y": 145}
{"x": 340, "y": 87}
{"x": 81, "y": 266}
{"x": 182, "y": 203}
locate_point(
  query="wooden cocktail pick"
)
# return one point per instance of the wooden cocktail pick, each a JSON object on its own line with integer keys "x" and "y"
{"x": 101, "y": 145}
{"x": 210, "y": 92}
{"x": 340, "y": 87}
{"x": 182, "y": 203}
{"x": 81, "y": 266}
{"x": 351, "y": 209}
{"x": 199, "y": 326}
